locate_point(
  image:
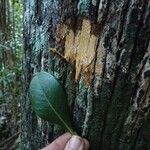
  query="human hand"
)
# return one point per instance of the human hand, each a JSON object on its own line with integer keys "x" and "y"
{"x": 68, "y": 142}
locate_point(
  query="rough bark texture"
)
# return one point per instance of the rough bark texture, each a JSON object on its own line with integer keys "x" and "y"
{"x": 99, "y": 50}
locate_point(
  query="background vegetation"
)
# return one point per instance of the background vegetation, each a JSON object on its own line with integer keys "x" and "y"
{"x": 11, "y": 40}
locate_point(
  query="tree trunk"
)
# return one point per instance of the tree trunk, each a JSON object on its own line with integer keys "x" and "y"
{"x": 99, "y": 51}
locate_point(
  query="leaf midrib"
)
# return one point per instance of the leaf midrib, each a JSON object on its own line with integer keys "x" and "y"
{"x": 50, "y": 105}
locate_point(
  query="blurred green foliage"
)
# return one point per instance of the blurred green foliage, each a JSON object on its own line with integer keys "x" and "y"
{"x": 11, "y": 46}
{"x": 10, "y": 75}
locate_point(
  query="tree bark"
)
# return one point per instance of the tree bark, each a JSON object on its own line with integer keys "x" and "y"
{"x": 99, "y": 51}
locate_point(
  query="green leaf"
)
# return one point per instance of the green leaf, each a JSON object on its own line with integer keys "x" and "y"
{"x": 49, "y": 101}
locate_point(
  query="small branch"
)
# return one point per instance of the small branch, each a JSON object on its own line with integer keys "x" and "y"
{"x": 54, "y": 50}
{"x": 9, "y": 139}
{"x": 3, "y": 46}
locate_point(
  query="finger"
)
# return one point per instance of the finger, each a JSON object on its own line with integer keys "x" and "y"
{"x": 86, "y": 144}
{"x": 59, "y": 143}
{"x": 75, "y": 143}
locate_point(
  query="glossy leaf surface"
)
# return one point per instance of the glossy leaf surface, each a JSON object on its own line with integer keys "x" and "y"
{"x": 48, "y": 100}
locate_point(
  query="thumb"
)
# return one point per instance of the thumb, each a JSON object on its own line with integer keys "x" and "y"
{"x": 75, "y": 143}
{"x": 59, "y": 143}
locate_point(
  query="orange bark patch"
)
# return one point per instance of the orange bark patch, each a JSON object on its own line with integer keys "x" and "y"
{"x": 80, "y": 47}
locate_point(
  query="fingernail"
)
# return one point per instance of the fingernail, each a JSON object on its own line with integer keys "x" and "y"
{"x": 75, "y": 143}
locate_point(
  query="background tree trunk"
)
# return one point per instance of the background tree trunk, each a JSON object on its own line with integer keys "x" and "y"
{"x": 99, "y": 51}
{"x": 10, "y": 73}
